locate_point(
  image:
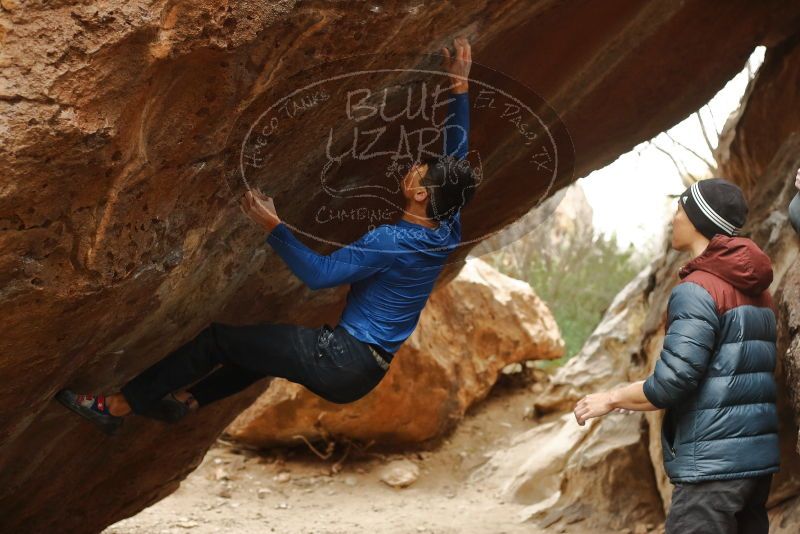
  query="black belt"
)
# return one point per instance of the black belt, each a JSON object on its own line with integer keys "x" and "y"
{"x": 382, "y": 356}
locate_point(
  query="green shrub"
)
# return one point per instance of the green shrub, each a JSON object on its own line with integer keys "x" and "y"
{"x": 577, "y": 277}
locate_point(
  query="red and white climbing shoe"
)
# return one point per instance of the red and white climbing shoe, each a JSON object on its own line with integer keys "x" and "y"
{"x": 91, "y": 407}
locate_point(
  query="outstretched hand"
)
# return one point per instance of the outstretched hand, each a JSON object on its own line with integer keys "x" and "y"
{"x": 458, "y": 66}
{"x": 797, "y": 180}
{"x": 594, "y": 405}
{"x": 260, "y": 208}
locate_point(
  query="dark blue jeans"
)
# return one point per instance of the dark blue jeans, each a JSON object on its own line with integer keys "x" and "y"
{"x": 328, "y": 361}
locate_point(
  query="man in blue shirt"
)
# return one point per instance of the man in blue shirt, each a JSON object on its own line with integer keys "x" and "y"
{"x": 391, "y": 271}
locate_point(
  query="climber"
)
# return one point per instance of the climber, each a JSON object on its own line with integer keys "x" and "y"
{"x": 714, "y": 377}
{"x": 391, "y": 271}
{"x": 794, "y": 207}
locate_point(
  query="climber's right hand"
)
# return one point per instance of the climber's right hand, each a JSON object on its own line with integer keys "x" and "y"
{"x": 261, "y": 209}
{"x": 458, "y": 67}
{"x": 797, "y": 180}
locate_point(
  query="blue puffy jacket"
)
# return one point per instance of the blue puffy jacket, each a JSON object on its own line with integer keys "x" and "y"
{"x": 715, "y": 373}
{"x": 794, "y": 212}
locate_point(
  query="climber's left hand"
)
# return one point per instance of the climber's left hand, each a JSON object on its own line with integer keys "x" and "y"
{"x": 797, "y": 180}
{"x": 260, "y": 208}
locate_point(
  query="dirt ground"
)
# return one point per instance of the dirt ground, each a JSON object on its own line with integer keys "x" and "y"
{"x": 292, "y": 491}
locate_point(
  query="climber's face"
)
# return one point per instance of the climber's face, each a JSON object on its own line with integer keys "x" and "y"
{"x": 413, "y": 190}
{"x": 683, "y": 231}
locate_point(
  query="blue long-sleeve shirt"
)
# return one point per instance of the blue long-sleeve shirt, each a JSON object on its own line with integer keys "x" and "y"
{"x": 391, "y": 269}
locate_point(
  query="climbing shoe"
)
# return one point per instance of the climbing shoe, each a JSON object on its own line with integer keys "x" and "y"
{"x": 91, "y": 407}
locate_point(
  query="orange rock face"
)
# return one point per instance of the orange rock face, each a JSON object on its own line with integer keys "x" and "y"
{"x": 470, "y": 329}
{"x": 120, "y": 234}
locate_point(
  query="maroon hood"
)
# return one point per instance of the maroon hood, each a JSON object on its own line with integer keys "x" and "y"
{"x": 737, "y": 260}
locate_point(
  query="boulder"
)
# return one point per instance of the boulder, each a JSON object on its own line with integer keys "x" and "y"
{"x": 468, "y": 332}
{"x": 121, "y": 125}
{"x": 595, "y": 478}
{"x": 623, "y": 348}
{"x": 785, "y": 517}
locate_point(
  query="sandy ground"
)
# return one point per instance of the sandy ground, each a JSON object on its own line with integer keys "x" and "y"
{"x": 295, "y": 492}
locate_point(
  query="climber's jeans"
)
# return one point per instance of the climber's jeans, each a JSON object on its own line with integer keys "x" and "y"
{"x": 720, "y": 507}
{"x": 794, "y": 212}
{"x": 328, "y": 361}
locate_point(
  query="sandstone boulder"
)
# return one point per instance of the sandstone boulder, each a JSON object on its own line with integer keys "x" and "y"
{"x": 595, "y": 478}
{"x": 785, "y": 517}
{"x": 120, "y": 232}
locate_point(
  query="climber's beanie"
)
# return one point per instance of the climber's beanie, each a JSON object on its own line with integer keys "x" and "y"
{"x": 715, "y": 206}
